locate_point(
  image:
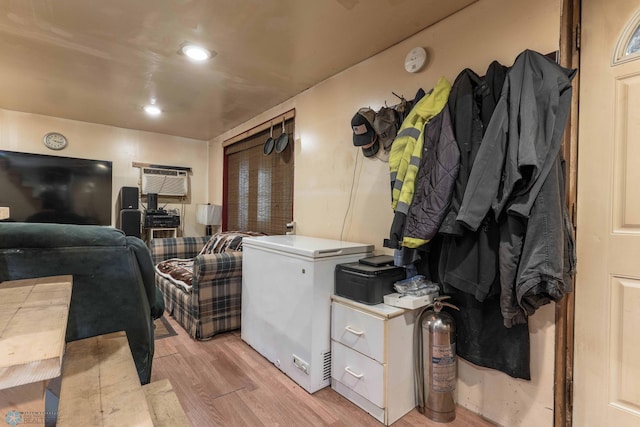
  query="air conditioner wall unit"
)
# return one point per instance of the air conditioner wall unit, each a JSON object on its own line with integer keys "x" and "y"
{"x": 164, "y": 182}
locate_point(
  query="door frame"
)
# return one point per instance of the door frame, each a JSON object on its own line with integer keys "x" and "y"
{"x": 565, "y": 313}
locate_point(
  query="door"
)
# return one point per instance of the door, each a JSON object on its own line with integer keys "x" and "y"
{"x": 607, "y": 309}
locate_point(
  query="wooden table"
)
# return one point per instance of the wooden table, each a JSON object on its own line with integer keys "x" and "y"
{"x": 33, "y": 323}
{"x": 100, "y": 385}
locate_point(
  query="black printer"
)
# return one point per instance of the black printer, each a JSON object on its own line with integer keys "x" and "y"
{"x": 368, "y": 280}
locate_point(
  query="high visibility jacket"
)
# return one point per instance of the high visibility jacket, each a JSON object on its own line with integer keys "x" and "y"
{"x": 406, "y": 151}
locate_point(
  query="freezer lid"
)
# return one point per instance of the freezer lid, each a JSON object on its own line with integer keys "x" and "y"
{"x": 312, "y": 247}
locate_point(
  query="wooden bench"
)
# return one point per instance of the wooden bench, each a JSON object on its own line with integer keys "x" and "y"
{"x": 33, "y": 321}
{"x": 100, "y": 387}
{"x": 165, "y": 407}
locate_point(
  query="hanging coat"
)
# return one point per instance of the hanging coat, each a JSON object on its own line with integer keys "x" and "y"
{"x": 469, "y": 259}
{"x": 405, "y": 155}
{"x": 519, "y": 150}
{"x": 466, "y": 262}
{"x": 521, "y": 142}
{"x": 406, "y": 150}
{"x": 434, "y": 183}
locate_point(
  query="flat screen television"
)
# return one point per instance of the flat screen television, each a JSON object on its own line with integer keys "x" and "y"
{"x": 65, "y": 190}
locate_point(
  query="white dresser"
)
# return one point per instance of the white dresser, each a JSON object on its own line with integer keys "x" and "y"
{"x": 372, "y": 357}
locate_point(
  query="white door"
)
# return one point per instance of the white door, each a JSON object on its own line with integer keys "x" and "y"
{"x": 607, "y": 312}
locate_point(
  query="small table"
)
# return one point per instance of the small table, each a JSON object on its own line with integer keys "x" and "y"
{"x": 153, "y": 233}
{"x": 33, "y": 323}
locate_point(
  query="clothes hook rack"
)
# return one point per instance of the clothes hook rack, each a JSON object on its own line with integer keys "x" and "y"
{"x": 400, "y": 97}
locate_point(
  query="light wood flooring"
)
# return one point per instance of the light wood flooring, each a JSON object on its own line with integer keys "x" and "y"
{"x": 225, "y": 382}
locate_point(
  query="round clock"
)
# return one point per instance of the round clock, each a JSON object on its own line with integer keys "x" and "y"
{"x": 415, "y": 60}
{"x": 55, "y": 141}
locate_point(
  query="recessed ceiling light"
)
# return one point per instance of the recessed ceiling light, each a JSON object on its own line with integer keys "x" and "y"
{"x": 152, "y": 110}
{"x": 195, "y": 52}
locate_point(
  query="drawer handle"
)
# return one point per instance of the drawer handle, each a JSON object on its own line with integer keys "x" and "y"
{"x": 350, "y": 372}
{"x": 353, "y": 331}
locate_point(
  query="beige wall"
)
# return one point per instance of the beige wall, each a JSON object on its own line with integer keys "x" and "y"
{"x": 325, "y": 160}
{"x": 24, "y": 132}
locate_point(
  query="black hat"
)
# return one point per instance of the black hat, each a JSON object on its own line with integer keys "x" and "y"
{"x": 372, "y": 148}
{"x": 362, "y": 125}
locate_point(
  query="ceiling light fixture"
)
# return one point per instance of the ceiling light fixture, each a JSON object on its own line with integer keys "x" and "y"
{"x": 152, "y": 110}
{"x": 195, "y": 52}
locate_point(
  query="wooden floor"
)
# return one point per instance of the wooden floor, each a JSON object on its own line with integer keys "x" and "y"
{"x": 225, "y": 382}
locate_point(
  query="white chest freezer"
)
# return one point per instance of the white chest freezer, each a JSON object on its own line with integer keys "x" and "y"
{"x": 287, "y": 283}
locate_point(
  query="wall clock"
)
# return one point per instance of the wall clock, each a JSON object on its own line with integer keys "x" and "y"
{"x": 55, "y": 141}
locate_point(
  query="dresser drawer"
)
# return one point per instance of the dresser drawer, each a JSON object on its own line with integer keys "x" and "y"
{"x": 359, "y": 373}
{"x": 375, "y": 411}
{"x": 358, "y": 330}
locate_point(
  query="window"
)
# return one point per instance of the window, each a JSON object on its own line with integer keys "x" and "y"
{"x": 628, "y": 45}
{"x": 258, "y": 188}
{"x": 634, "y": 43}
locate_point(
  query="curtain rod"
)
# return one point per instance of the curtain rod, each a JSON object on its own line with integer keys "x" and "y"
{"x": 259, "y": 128}
{"x": 152, "y": 165}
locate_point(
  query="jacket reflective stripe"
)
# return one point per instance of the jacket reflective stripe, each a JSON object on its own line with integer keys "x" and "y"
{"x": 412, "y": 132}
{"x": 397, "y": 185}
{"x": 402, "y": 207}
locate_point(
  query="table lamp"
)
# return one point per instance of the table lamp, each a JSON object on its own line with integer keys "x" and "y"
{"x": 209, "y": 215}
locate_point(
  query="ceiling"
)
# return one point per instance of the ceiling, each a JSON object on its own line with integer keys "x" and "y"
{"x": 102, "y": 61}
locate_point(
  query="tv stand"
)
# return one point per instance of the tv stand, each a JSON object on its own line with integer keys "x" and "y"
{"x": 160, "y": 233}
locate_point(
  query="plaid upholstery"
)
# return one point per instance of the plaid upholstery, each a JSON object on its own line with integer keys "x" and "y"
{"x": 214, "y": 303}
{"x": 182, "y": 247}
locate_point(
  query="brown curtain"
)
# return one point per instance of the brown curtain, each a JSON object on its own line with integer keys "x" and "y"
{"x": 259, "y": 187}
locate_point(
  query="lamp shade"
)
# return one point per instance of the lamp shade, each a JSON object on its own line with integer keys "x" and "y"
{"x": 209, "y": 214}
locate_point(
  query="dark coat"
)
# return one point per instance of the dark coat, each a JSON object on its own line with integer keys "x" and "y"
{"x": 435, "y": 181}
{"x": 516, "y": 175}
{"x": 466, "y": 261}
{"x": 464, "y": 109}
{"x": 469, "y": 259}
{"x": 521, "y": 142}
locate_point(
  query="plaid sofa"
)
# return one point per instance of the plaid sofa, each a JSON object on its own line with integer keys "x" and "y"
{"x": 212, "y": 303}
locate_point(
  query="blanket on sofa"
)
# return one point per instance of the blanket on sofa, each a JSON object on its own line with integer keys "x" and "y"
{"x": 227, "y": 241}
{"x": 180, "y": 271}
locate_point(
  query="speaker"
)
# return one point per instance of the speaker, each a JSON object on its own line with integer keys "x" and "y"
{"x": 128, "y": 198}
{"x": 152, "y": 201}
{"x": 130, "y": 222}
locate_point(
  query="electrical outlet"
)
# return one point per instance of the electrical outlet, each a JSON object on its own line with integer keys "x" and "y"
{"x": 301, "y": 364}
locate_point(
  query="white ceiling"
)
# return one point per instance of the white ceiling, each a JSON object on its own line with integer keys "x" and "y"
{"x": 102, "y": 61}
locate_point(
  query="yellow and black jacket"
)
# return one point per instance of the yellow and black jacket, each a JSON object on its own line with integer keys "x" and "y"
{"x": 406, "y": 153}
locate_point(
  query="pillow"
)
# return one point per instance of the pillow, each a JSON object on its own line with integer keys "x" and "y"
{"x": 227, "y": 241}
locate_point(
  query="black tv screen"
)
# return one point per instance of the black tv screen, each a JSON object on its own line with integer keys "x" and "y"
{"x": 65, "y": 190}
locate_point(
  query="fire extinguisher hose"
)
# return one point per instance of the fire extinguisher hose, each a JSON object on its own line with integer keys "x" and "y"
{"x": 418, "y": 367}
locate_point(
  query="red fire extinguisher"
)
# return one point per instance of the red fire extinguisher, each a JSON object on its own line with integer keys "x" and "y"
{"x": 435, "y": 361}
